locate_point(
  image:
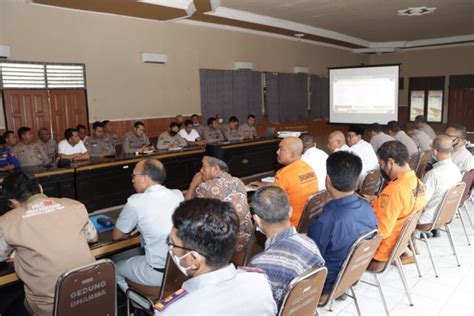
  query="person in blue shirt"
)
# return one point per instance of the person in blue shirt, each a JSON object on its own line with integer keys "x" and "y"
{"x": 8, "y": 161}
{"x": 344, "y": 218}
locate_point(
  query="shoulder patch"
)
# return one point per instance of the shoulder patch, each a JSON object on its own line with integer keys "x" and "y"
{"x": 252, "y": 269}
{"x": 170, "y": 299}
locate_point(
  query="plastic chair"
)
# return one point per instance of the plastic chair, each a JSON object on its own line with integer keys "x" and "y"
{"x": 312, "y": 209}
{"x": 371, "y": 183}
{"x": 425, "y": 158}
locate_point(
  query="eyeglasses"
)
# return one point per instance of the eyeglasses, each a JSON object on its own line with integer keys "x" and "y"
{"x": 171, "y": 245}
{"x": 137, "y": 174}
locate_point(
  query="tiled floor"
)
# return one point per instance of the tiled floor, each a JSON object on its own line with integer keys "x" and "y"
{"x": 450, "y": 294}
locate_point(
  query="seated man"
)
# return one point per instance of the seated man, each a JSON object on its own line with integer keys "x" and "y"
{"x": 10, "y": 139}
{"x": 247, "y": 130}
{"x": 215, "y": 287}
{"x": 297, "y": 178}
{"x": 421, "y": 139}
{"x": 420, "y": 123}
{"x": 136, "y": 141}
{"x": 440, "y": 179}
{"x": 49, "y": 237}
{"x": 109, "y": 134}
{"x": 316, "y": 158}
{"x": 403, "y": 196}
{"x": 461, "y": 156}
{"x": 28, "y": 152}
{"x": 82, "y": 131}
{"x": 287, "y": 254}
{"x": 377, "y": 136}
{"x": 344, "y": 218}
{"x": 362, "y": 149}
{"x": 50, "y": 147}
{"x": 190, "y": 134}
{"x": 8, "y": 160}
{"x": 197, "y": 124}
{"x": 212, "y": 132}
{"x": 98, "y": 145}
{"x": 396, "y": 132}
{"x": 179, "y": 119}
{"x": 171, "y": 139}
{"x": 214, "y": 181}
{"x": 337, "y": 142}
{"x": 72, "y": 147}
{"x": 231, "y": 131}
{"x": 148, "y": 211}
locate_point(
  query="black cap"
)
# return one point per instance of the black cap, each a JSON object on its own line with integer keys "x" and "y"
{"x": 217, "y": 152}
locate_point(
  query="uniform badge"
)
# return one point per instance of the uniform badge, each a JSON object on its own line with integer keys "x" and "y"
{"x": 252, "y": 269}
{"x": 170, "y": 299}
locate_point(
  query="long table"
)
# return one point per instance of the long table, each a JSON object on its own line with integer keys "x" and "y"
{"x": 101, "y": 183}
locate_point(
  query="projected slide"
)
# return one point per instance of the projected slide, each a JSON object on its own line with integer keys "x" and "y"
{"x": 363, "y": 95}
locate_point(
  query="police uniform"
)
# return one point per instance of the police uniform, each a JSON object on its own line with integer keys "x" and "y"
{"x": 133, "y": 143}
{"x": 96, "y": 146}
{"x": 31, "y": 154}
{"x": 200, "y": 129}
{"x": 247, "y": 131}
{"x": 231, "y": 134}
{"x": 213, "y": 135}
{"x": 7, "y": 157}
{"x": 112, "y": 138}
{"x": 165, "y": 141}
{"x": 50, "y": 148}
{"x": 48, "y": 235}
{"x": 227, "y": 291}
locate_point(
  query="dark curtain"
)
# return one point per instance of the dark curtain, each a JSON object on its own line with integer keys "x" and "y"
{"x": 287, "y": 97}
{"x": 230, "y": 93}
{"x": 319, "y": 97}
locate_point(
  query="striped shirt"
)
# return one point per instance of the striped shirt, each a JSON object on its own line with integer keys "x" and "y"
{"x": 286, "y": 255}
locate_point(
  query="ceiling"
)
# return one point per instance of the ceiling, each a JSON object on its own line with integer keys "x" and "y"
{"x": 365, "y": 26}
{"x": 371, "y": 20}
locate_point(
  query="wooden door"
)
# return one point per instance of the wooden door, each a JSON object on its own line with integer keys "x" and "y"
{"x": 27, "y": 107}
{"x": 68, "y": 109}
{"x": 461, "y": 100}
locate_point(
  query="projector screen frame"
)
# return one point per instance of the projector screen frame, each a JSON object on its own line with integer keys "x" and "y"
{"x": 360, "y": 66}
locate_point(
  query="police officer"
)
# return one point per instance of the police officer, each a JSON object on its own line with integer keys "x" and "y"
{"x": 97, "y": 144}
{"x": 49, "y": 145}
{"x": 171, "y": 138}
{"x": 212, "y": 132}
{"x": 215, "y": 287}
{"x": 231, "y": 131}
{"x": 109, "y": 135}
{"x": 247, "y": 130}
{"x": 8, "y": 161}
{"x": 136, "y": 141}
{"x": 28, "y": 152}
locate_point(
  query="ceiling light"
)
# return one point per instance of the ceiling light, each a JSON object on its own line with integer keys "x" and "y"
{"x": 416, "y": 11}
{"x": 299, "y": 35}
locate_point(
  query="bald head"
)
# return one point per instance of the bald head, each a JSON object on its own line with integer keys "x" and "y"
{"x": 443, "y": 145}
{"x": 289, "y": 150}
{"x": 336, "y": 140}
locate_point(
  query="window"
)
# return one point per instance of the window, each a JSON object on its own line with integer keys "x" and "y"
{"x": 426, "y": 98}
{"x": 41, "y": 75}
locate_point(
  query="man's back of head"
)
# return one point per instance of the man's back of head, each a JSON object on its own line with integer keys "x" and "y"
{"x": 343, "y": 171}
{"x": 290, "y": 149}
{"x": 20, "y": 186}
{"x": 442, "y": 147}
{"x": 308, "y": 142}
{"x": 147, "y": 173}
{"x": 271, "y": 207}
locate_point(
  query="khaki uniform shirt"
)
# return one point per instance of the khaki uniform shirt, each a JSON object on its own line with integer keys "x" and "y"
{"x": 132, "y": 142}
{"x": 247, "y": 131}
{"x": 165, "y": 141}
{"x": 96, "y": 146}
{"x": 31, "y": 154}
{"x": 112, "y": 138}
{"x": 50, "y": 148}
{"x": 231, "y": 134}
{"x": 49, "y": 238}
{"x": 213, "y": 135}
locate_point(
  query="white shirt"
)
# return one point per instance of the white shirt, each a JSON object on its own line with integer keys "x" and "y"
{"x": 191, "y": 137}
{"x": 422, "y": 140}
{"x": 437, "y": 182}
{"x": 316, "y": 158}
{"x": 379, "y": 139}
{"x": 367, "y": 154}
{"x": 403, "y": 138}
{"x": 463, "y": 159}
{"x": 64, "y": 147}
{"x": 150, "y": 212}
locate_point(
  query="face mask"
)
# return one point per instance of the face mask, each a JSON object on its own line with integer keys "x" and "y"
{"x": 177, "y": 261}
{"x": 173, "y": 133}
{"x": 385, "y": 175}
{"x": 220, "y": 121}
{"x": 196, "y": 124}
